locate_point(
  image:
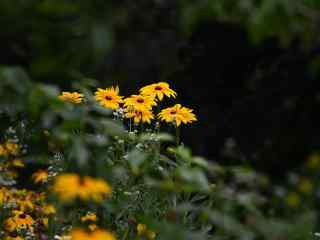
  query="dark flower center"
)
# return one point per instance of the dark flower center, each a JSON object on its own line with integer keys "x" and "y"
{"x": 81, "y": 182}
{"x": 109, "y": 98}
{"x": 140, "y": 100}
{"x": 173, "y": 112}
{"x": 158, "y": 88}
{"x": 23, "y": 216}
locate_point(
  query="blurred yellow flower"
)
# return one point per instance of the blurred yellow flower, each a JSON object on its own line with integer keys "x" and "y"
{"x": 305, "y": 185}
{"x": 109, "y": 97}
{"x": 41, "y": 176}
{"x": 13, "y": 238}
{"x": 71, "y": 97}
{"x": 79, "y": 234}
{"x": 9, "y": 148}
{"x": 5, "y": 195}
{"x": 92, "y": 227}
{"x": 151, "y": 234}
{"x": 91, "y": 217}
{"x": 293, "y": 200}
{"x": 48, "y": 209}
{"x": 139, "y": 103}
{"x": 17, "y": 163}
{"x": 142, "y": 230}
{"x": 158, "y": 90}
{"x": 70, "y": 186}
{"x": 313, "y": 161}
{"x": 177, "y": 115}
{"x": 3, "y": 151}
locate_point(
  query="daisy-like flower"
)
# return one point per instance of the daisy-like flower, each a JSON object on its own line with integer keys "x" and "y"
{"x": 158, "y": 90}
{"x": 19, "y": 220}
{"x": 40, "y": 176}
{"x": 79, "y": 234}
{"x": 109, "y": 97}
{"x": 139, "y": 102}
{"x": 177, "y": 115}
{"x": 71, "y": 97}
{"x": 144, "y": 116}
{"x": 71, "y": 186}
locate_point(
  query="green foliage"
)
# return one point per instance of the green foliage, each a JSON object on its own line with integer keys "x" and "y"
{"x": 155, "y": 182}
{"x": 174, "y": 193}
{"x": 289, "y": 19}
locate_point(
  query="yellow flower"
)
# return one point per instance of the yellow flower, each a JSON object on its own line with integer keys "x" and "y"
{"x": 79, "y": 234}
{"x": 48, "y": 209}
{"x": 314, "y": 161}
{"x": 109, "y": 97}
{"x": 14, "y": 238}
{"x": 9, "y": 148}
{"x": 305, "y": 186}
{"x": 12, "y": 148}
{"x": 89, "y": 217}
{"x": 5, "y": 195}
{"x": 17, "y": 163}
{"x": 66, "y": 186}
{"x": 177, "y": 115}
{"x": 151, "y": 234}
{"x": 19, "y": 220}
{"x": 71, "y": 186}
{"x": 3, "y": 151}
{"x": 71, "y": 97}
{"x": 44, "y": 221}
{"x": 158, "y": 90}
{"x": 293, "y": 200}
{"x": 92, "y": 227}
{"x": 144, "y": 116}
{"x": 41, "y": 176}
{"x": 139, "y": 103}
{"x": 142, "y": 230}
{"x": 25, "y": 204}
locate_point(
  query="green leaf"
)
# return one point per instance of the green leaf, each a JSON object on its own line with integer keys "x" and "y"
{"x": 136, "y": 158}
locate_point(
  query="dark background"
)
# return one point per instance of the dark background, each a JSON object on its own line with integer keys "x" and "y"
{"x": 249, "y": 69}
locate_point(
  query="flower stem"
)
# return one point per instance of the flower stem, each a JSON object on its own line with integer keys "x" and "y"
{"x": 177, "y": 136}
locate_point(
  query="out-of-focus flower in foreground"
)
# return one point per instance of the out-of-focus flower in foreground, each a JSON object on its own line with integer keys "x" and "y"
{"x": 71, "y": 97}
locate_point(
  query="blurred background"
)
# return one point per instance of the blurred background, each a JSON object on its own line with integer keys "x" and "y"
{"x": 249, "y": 68}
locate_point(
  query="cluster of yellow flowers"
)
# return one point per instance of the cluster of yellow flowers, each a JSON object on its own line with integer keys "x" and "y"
{"x": 28, "y": 212}
{"x": 304, "y": 186}
{"x": 26, "y": 206}
{"x": 139, "y": 107}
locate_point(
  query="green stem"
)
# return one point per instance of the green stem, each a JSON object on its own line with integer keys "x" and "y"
{"x": 126, "y": 234}
{"x": 177, "y": 136}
